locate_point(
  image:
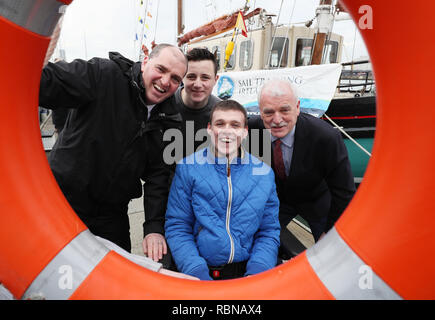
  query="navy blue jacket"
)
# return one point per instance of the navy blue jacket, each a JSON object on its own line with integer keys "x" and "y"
{"x": 320, "y": 181}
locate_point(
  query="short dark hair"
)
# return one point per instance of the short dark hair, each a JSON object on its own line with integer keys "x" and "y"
{"x": 200, "y": 54}
{"x": 226, "y": 105}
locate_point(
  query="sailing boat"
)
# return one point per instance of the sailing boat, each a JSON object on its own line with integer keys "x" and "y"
{"x": 277, "y": 49}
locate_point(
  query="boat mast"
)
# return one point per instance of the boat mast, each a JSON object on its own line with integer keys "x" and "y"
{"x": 324, "y": 21}
{"x": 180, "y": 27}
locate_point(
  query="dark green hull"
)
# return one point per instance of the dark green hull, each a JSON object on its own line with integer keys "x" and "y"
{"x": 358, "y": 158}
{"x": 357, "y": 116}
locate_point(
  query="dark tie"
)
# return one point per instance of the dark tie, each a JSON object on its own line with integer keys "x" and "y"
{"x": 278, "y": 161}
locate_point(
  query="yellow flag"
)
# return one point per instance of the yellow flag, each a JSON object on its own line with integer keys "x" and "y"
{"x": 228, "y": 52}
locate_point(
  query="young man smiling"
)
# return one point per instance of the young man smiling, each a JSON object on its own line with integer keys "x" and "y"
{"x": 222, "y": 218}
{"x": 194, "y": 99}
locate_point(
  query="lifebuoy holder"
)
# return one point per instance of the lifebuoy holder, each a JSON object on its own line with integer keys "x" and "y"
{"x": 387, "y": 228}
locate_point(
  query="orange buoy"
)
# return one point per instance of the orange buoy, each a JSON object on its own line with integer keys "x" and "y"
{"x": 380, "y": 248}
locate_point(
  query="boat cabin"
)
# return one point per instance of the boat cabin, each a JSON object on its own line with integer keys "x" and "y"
{"x": 269, "y": 47}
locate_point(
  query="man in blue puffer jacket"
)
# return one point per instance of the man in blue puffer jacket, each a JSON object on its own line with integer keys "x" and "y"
{"x": 222, "y": 214}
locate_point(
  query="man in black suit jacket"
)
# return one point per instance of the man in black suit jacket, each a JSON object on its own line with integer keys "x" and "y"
{"x": 318, "y": 183}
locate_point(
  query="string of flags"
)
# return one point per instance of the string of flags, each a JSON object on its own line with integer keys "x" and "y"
{"x": 146, "y": 23}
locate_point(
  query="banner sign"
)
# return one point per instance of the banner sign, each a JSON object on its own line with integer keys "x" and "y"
{"x": 315, "y": 86}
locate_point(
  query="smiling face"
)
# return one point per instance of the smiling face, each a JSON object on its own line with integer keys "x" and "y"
{"x": 162, "y": 74}
{"x": 198, "y": 83}
{"x": 227, "y": 130}
{"x": 279, "y": 108}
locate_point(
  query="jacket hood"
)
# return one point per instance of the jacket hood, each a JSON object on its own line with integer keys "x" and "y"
{"x": 123, "y": 63}
{"x": 131, "y": 69}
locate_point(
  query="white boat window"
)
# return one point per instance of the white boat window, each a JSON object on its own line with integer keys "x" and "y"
{"x": 246, "y": 55}
{"x": 332, "y": 51}
{"x": 279, "y": 52}
{"x": 303, "y": 52}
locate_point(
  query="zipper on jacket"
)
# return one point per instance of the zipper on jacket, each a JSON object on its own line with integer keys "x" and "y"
{"x": 230, "y": 198}
{"x": 137, "y": 135}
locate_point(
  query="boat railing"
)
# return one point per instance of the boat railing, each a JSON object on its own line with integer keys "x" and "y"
{"x": 351, "y": 63}
{"x": 356, "y": 80}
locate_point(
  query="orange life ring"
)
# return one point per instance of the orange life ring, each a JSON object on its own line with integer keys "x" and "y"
{"x": 388, "y": 225}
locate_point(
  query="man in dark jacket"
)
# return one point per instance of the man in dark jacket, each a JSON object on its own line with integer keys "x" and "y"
{"x": 114, "y": 137}
{"x": 309, "y": 158}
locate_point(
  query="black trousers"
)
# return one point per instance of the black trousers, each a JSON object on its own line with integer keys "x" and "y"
{"x": 168, "y": 262}
{"x": 228, "y": 271}
{"x": 287, "y": 213}
{"x": 116, "y": 228}
{"x": 110, "y": 224}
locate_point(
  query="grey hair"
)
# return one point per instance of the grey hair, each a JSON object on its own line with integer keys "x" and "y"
{"x": 278, "y": 87}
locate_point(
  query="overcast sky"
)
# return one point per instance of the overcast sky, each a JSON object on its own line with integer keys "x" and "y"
{"x": 92, "y": 28}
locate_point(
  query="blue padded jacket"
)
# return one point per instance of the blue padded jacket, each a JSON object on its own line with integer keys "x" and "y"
{"x": 219, "y": 214}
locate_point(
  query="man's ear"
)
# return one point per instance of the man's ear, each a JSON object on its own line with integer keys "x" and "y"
{"x": 298, "y": 107}
{"x": 144, "y": 62}
{"x": 245, "y": 132}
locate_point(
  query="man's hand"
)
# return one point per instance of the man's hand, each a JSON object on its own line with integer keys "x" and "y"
{"x": 154, "y": 246}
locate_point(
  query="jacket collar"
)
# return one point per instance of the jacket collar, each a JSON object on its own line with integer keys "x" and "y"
{"x": 242, "y": 157}
{"x": 164, "y": 110}
{"x": 124, "y": 63}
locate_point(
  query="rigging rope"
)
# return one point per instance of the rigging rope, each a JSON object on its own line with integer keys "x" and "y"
{"x": 327, "y": 40}
{"x": 143, "y": 27}
{"x": 347, "y": 135}
{"x": 157, "y": 21}
{"x": 354, "y": 41}
{"x": 42, "y": 125}
{"x": 253, "y": 22}
{"x": 274, "y": 33}
{"x": 288, "y": 32}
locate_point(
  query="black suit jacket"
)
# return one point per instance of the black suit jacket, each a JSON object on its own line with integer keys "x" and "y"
{"x": 320, "y": 180}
